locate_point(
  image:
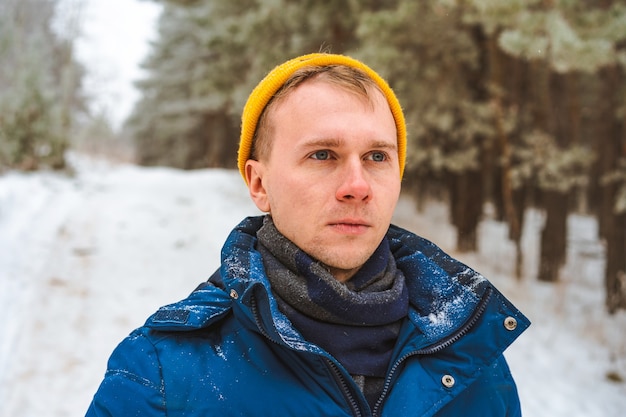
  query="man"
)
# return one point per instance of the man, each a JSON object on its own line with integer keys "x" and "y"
{"x": 321, "y": 307}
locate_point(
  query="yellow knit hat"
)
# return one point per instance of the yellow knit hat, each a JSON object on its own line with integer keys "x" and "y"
{"x": 266, "y": 89}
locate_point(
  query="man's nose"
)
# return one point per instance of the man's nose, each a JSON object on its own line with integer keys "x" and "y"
{"x": 355, "y": 185}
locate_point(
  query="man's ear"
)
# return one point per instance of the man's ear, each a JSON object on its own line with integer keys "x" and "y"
{"x": 255, "y": 171}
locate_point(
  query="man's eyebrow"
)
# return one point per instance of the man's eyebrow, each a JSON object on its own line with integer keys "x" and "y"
{"x": 323, "y": 143}
{"x": 335, "y": 143}
{"x": 385, "y": 145}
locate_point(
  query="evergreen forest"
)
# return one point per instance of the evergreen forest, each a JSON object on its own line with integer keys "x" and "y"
{"x": 514, "y": 104}
{"x": 40, "y": 84}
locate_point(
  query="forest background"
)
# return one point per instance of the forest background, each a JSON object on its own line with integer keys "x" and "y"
{"x": 510, "y": 105}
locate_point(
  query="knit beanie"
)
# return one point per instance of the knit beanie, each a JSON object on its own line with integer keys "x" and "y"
{"x": 266, "y": 89}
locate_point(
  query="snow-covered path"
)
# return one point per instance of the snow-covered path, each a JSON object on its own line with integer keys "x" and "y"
{"x": 85, "y": 259}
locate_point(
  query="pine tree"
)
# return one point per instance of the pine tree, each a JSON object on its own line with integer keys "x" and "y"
{"x": 517, "y": 102}
{"x": 576, "y": 55}
{"x": 39, "y": 86}
{"x": 433, "y": 62}
{"x": 206, "y": 61}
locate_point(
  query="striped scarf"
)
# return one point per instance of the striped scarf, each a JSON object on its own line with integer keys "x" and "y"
{"x": 357, "y": 322}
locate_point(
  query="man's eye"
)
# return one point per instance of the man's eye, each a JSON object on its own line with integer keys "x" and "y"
{"x": 378, "y": 156}
{"x": 321, "y": 155}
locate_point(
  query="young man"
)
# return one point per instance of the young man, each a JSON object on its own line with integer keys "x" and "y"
{"x": 321, "y": 307}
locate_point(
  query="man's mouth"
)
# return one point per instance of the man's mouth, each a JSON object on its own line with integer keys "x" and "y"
{"x": 350, "y": 226}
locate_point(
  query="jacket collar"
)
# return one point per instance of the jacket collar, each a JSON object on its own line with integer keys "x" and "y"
{"x": 444, "y": 293}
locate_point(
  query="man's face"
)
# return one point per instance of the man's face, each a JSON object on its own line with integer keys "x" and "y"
{"x": 332, "y": 180}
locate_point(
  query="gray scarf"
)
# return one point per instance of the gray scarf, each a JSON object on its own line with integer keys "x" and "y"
{"x": 357, "y": 321}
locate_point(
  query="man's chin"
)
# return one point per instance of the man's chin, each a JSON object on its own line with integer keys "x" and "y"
{"x": 342, "y": 275}
{"x": 343, "y": 270}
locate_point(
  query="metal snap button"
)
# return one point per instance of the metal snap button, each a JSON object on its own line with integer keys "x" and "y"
{"x": 510, "y": 323}
{"x": 233, "y": 294}
{"x": 447, "y": 381}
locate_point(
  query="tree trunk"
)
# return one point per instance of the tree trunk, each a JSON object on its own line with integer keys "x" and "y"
{"x": 215, "y": 147}
{"x": 553, "y": 235}
{"x": 613, "y": 225}
{"x": 515, "y": 233}
{"x": 466, "y": 208}
{"x": 615, "y": 274}
{"x": 556, "y": 114}
{"x": 507, "y": 73}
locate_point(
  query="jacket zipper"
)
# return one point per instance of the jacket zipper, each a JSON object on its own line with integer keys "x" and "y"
{"x": 339, "y": 378}
{"x": 341, "y": 381}
{"x": 259, "y": 324}
{"x": 480, "y": 309}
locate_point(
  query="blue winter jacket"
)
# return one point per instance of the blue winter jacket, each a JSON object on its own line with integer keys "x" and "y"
{"x": 227, "y": 350}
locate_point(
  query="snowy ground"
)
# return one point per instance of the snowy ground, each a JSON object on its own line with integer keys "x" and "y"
{"x": 85, "y": 259}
